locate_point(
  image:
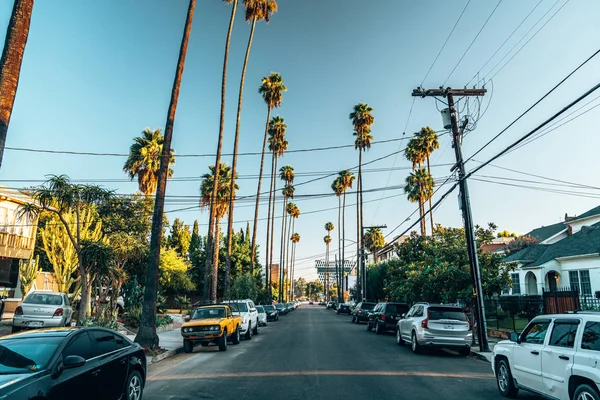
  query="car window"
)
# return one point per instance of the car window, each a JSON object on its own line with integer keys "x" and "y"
{"x": 252, "y": 305}
{"x": 106, "y": 342}
{"x": 418, "y": 311}
{"x": 26, "y": 355}
{"x": 563, "y": 334}
{"x": 66, "y": 299}
{"x": 410, "y": 312}
{"x": 535, "y": 333}
{"x": 242, "y": 307}
{"x": 260, "y": 309}
{"x": 44, "y": 298}
{"x": 270, "y": 308}
{"x": 79, "y": 346}
{"x": 367, "y": 306}
{"x": 591, "y": 336}
{"x": 211, "y": 312}
{"x": 446, "y": 313}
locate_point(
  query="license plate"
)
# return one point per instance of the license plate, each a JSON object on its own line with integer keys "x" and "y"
{"x": 448, "y": 326}
{"x": 34, "y": 324}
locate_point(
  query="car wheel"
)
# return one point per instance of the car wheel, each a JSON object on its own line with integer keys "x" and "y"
{"x": 399, "y": 340}
{"x": 586, "y": 392}
{"x": 248, "y": 335}
{"x": 378, "y": 329}
{"x": 236, "y": 336}
{"x": 255, "y": 331}
{"x": 506, "y": 385}
{"x": 465, "y": 351}
{"x": 223, "y": 342}
{"x": 188, "y": 346}
{"x": 353, "y": 318}
{"x": 414, "y": 345}
{"x": 135, "y": 386}
{"x": 369, "y": 327}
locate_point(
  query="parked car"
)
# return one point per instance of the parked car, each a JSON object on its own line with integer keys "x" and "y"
{"x": 435, "y": 325}
{"x": 43, "y": 309}
{"x": 281, "y": 308}
{"x": 361, "y": 311}
{"x": 310, "y": 303}
{"x": 343, "y": 309}
{"x": 332, "y": 305}
{"x": 211, "y": 324}
{"x": 555, "y": 356}
{"x": 262, "y": 316}
{"x": 291, "y": 306}
{"x": 272, "y": 313}
{"x": 247, "y": 310}
{"x": 71, "y": 363}
{"x": 385, "y": 315}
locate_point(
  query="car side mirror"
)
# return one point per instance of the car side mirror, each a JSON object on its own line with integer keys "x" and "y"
{"x": 73, "y": 362}
{"x": 403, "y": 315}
{"x": 187, "y": 318}
{"x": 514, "y": 337}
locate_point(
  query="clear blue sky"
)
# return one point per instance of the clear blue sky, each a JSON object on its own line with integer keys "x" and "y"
{"x": 95, "y": 74}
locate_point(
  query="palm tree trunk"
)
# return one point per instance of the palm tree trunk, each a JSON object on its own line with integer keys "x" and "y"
{"x": 361, "y": 259}
{"x": 337, "y": 264}
{"x": 272, "y": 246}
{"x": 422, "y": 212}
{"x": 208, "y": 263}
{"x": 260, "y": 175}
{"x": 343, "y": 242}
{"x": 268, "y": 245}
{"x": 234, "y": 164}
{"x": 288, "y": 237}
{"x": 211, "y": 229}
{"x": 282, "y": 248}
{"x": 430, "y": 208}
{"x": 215, "y": 270}
{"x": 146, "y": 335}
{"x": 10, "y": 64}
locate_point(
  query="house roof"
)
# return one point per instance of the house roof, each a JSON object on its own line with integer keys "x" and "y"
{"x": 528, "y": 254}
{"x": 546, "y": 232}
{"x": 590, "y": 213}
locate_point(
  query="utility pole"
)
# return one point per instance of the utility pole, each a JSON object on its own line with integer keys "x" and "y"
{"x": 464, "y": 197}
{"x": 363, "y": 274}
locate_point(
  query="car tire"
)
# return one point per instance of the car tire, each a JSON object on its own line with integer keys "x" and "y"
{"x": 188, "y": 346}
{"x": 353, "y": 319}
{"x": 236, "y": 336}
{"x": 399, "y": 340}
{"x": 255, "y": 331}
{"x": 585, "y": 392}
{"x": 223, "y": 342}
{"x": 135, "y": 386}
{"x": 465, "y": 351}
{"x": 68, "y": 323}
{"x": 248, "y": 335}
{"x": 505, "y": 382}
{"x": 378, "y": 330}
{"x": 369, "y": 327}
{"x": 15, "y": 329}
{"x": 414, "y": 344}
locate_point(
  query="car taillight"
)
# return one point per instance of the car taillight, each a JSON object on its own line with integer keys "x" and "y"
{"x": 470, "y": 324}
{"x": 383, "y": 317}
{"x": 19, "y": 311}
{"x": 58, "y": 312}
{"x": 360, "y": 311}
{"x": 425, "y": 321}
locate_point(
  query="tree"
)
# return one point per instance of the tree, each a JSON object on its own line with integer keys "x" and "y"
{"x": 146, "y": 335}
{"x": 28, "y": 272}
{"x": 180, "y": 238}
{"x": 295, "y": 239}
{"x": 271, "y": 89}
{"x": 286, "y": 173}
{"x": 374, "y": 240}
{"x": 244, "y": 287}
{"x": 377, "y": 278}
{"x": 346, "y": 179}
{"x": 519, "y": 243}
{"x": 300, "y": 286}
{"x": 429, "y": 143}
{"x": 98, "y": 256}
{"x": 313, "y": 289}
{"x": 144, "y": 160}
{"x": 414, "y": 152}
{"x": 419, "y": 187}
{"x": 506, "y": 234}
{"x": 327, "y": 240}
{"x": 10, "y": 63}
{"x": 174, "y": 271}
{"x": 256, "y": 10}
{"x": 220, "y": 205}
{"x": 59, "y": 196}
{"x": 362, "y": 120}
{"x": 338, "y": 188}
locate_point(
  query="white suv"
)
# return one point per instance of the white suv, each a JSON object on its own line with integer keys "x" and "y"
{"x": 556, "y": 356}
{"x": 247, "y": 310}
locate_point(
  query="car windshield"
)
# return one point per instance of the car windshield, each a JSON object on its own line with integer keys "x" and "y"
{"x": 213, "y": 312}
{"x": 25, "y": 355}
{"x": 260, "y": 309}
{"x": 269, "y": 308}
{"x": 43, "y": 298}
{"x": 367, "y": 306}
{"x": 242, "y": 307}
{"x": 446, "y": 313}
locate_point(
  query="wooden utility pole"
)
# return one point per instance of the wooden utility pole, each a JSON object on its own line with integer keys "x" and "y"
{"x": 464, "y": 197}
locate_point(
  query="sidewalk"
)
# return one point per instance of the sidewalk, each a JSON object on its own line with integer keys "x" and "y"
{"x": 170, "y": 341}
{"x": 485, "y": 355}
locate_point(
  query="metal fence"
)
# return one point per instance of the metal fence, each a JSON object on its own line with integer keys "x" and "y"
{"x": 512, "y": 312}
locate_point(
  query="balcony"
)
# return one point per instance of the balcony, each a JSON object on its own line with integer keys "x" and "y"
{"x": 15, "y": 246}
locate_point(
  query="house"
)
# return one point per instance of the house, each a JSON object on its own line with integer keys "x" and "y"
{"x": 567, "y": 255}
{"x": 388, "y": 251}
{"x": 496, "y": 245}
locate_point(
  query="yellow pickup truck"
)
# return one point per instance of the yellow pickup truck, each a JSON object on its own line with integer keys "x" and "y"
{"x": 211, "y": 324}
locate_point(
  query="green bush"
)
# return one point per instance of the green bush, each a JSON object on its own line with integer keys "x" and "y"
{"x": 162, "y": 320}
{"x": 101, "y": 322}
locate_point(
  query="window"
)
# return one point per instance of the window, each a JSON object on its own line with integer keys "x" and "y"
{"x": 563, "y": 333}
{"x": 574, "y": 279}
{"x": 580, "y": 280}
{"x": 66, "y": 300}
{"x": 42, "y": 298}
{"x": 107, "y": 342}
{"x": 80, "y": 346}
{"x": 436, "y": 313}
{"x": 591, "y": 336}
{"x": 418, "y": 312}
{"x": 516, "y": 283}
{"x": 535, "y": 333}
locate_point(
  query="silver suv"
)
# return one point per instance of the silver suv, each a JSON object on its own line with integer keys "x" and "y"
{"x": 435, "y": 325}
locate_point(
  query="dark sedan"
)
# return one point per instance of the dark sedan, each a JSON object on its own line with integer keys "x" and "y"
{"x": 361, "y": 311}
{"x": 272, "y": 313}
{"x": 71, "y": 363}
{"x": 343, "y": 309}
{"x": 281, "y": 308}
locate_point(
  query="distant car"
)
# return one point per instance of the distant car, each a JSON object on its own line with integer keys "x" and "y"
{"x": 272, "y": 313}
{"x": 435, "y": 325}
{"x": 343, "y": 309}
{"x": 42, "y": 309}
{"x": 71, "y": 363}
{"x": 281, "y": 308}
{"x": 332, "y": 305}
{"x": 385, "y": 316}
{"x": 291, "y": 305}
{"x": 361, "y": 311}
{"x": 310, "y": 303}
{"x": 262, "y": 316}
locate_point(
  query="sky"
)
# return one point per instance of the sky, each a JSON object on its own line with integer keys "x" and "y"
{"x": 95, "y": 74}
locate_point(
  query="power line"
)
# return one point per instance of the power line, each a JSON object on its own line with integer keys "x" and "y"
{"x": 556, "y": 191}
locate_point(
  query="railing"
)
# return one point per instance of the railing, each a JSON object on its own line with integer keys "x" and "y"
{"x": 16, "y": 241}
{"x": 512, "y": 312}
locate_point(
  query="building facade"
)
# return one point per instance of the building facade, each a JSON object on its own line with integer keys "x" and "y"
{"x": 323, "y": 270}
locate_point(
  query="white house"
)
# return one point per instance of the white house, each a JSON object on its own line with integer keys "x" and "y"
{"x": 388, "y": 251}
{"x": 567, "y": 255}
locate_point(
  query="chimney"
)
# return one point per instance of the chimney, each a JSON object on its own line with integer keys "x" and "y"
{"x": 569, "y": 230}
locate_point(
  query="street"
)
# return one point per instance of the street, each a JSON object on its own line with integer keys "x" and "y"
{"x": 313, "y": 353}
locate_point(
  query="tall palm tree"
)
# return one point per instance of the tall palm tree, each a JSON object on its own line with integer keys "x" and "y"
{"x": 338, "y": 188}
{"x": 347, "y": 179}
{"x": 419, "y": 187}
{"x": 277, "y": 145}
{"x": 271, "y": 89}
{"x": 211, "y": 228}
{"x": 295, "y": 239}
{"x": 291, "y": 210}
{"x": 414, "y": 152}
{"x": 146, "y": 335}
{"x": 327, "y": 240}
{"x": 287, "y": 192}
{"x": 256, "y": 10}
{"x": 10, "y": 63}
{"x": 429, "y": 143}
{"x": 362, "y": 120}
{"x": 220, "y": 205}
{"x": 374, "y": 240}
{"x": 144, "y": 160}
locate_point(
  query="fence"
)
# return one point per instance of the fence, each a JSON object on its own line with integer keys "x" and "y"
{"x": 560, "y": 300}
{"x": 512, "y": 312}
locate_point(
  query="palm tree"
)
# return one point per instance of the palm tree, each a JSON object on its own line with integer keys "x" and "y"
{"x": 271, "y": 89}
{"x": 294, "y": 239}
{"x": 374, "y": 240}
{"x": 286, "y": 174}
{"x": 419, "y": 187}
{"x": 414, "y": 152}
{"x": 338, "y": 188}
{"x": 328, "y": 228}
{"x": 10, "y": 64}
{"x": 220, "y": 205}
{"x": 211, "y": 227}
{"x": 146, "y": 335}
{"x": 277, "y": 145}
{"x": 327, "y": 240}
{"x": 429, "y": 143}
{"x": 291, "y": 210}
{"x": 347, "y": 179}
{"x": 362, "y": 120}
{"x": 256, "y": 10}
{"x": 144, "y": 160}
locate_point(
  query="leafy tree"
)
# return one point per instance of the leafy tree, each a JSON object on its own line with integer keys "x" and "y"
{"x": 244, "y": 287}
{"x": 180, "y": 237}
{"x": 300, "y": 286}
{"x": 174, "y": 269}
{"x": 28, "y": 272}
{"x": 505, "y": 234}
{"x": 519, "y": 243}
{"x": 377, "y": 276}
{"x": 374, "y": 240}
{"x": 313, "y": 289}
{"x": 419, "y": 187}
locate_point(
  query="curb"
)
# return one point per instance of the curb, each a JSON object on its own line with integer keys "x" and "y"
{"x": 164, "y": 355}
{"x": 479, "y": 356}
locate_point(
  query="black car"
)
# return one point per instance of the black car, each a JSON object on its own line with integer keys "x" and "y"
{"x": 281, "y": 308}
{"x": 385, "y": 316}
{"x": 343, "y": 309}
{"x": 361, "y": 311}
{"x": 272, "y": 313}
{"x": 71, "y": 363}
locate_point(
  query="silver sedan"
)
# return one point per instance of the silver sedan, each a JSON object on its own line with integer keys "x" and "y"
{"x": 43, "y": 309}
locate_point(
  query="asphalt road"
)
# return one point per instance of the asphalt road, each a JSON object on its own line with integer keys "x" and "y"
{"x": 315, "y": 354}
